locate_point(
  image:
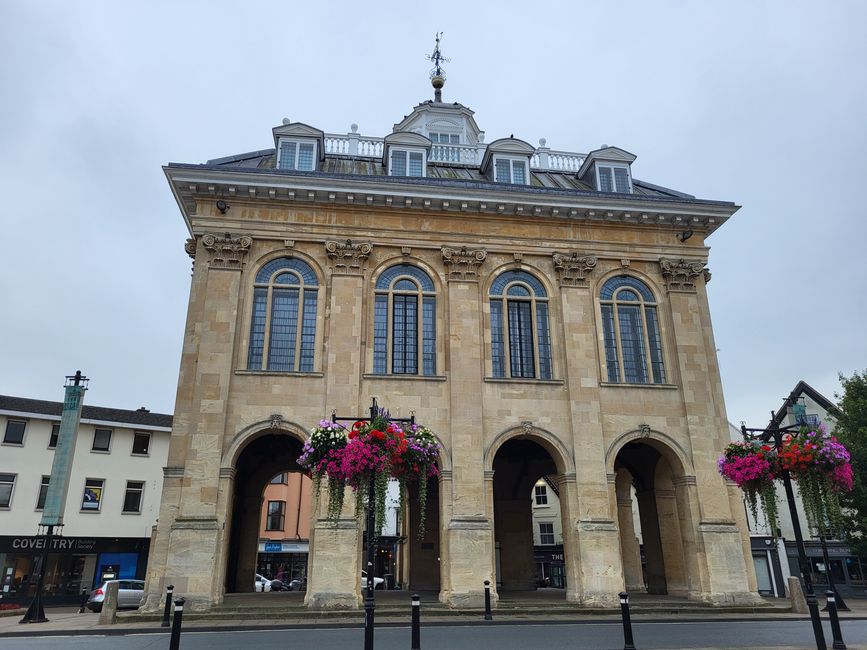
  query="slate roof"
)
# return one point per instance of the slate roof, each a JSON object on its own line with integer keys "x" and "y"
{"x": 802, "y": 388}
{"x": 44, "y": 407}
{"x": 343, "y": 165}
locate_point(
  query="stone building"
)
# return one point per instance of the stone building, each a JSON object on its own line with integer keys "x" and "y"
{"x": 543, "y": 311}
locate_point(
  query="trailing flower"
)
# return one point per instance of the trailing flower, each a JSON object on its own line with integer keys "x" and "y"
{"x": 820, "y": 465}
{"x": 370, "y": 450}
{"x": 753, "y": 467}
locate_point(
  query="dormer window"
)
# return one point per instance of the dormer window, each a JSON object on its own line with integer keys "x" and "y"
{"x": 445, "y": 138}
{"x": 404, "y": 162}
{"x": 297, "y": 155}
{"x": 510, "y": 170}
{"x": 613, "y": 179}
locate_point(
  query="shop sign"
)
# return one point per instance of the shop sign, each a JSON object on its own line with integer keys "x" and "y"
{"x": 284, "y": 547}
{"x": 273, "y": 547}
{"x": 59, "y": 544}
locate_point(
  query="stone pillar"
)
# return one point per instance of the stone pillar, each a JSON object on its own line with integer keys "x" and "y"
{"x": 594, "y": 533}
{"x": 653, "y": 557}
{"x": 468, "y": 533}
{"x": 514, "y": 532}
{"x": 695, "y": 354}
{"x": 334, "y": 579}
{"x": 672, "y": 547}
{"x": 630, "y": 549}
{"x": 249, "y": 518}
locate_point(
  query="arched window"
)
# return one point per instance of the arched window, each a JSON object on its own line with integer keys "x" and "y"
{"x": 631, "y": 329}
{"x": 404, "y": 322}
{"x": 520, "y": 340}
{"x": 283, "y": 327}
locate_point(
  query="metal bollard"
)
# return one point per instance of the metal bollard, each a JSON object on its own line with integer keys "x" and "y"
{"x": 175, "y": 642}
{"x": 628, "y": 643}
{"x": 488, "y": 616}
{"x": 170, "y": 589}
{"x": 416, "y": 622}
{"x": 83, "y": 607}
{"x": 835, "y": 622}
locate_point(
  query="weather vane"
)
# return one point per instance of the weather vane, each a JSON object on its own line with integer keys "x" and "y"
{"x": 437, "y": 74}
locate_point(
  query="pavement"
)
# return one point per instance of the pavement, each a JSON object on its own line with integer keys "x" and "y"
{"x": 269, "y": 612}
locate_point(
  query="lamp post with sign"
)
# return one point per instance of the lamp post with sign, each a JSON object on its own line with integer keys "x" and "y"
{"x": 58, "y": 486}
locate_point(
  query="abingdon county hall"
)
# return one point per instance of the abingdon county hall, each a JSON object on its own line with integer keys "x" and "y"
{"x": 544, "y": 312}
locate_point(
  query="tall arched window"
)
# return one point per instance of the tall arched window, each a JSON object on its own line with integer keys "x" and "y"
{"x": 520, "y": 338}
{"x": 631, "y": 330}
{"x": 283, "y": 327}
{"x": 404, "y": 322}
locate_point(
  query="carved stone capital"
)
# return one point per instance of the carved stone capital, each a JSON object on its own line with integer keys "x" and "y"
{"x": 573, "y": 269}
{"x": 227, "y": 251}
{"x": 680, "y": 275}
{"x": 463, "y": 263}
{"x": 348, "y": 256}
{"x": 190, "y": 247}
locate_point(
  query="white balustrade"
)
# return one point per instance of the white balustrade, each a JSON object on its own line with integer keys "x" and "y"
{"x": 353, "y": 144}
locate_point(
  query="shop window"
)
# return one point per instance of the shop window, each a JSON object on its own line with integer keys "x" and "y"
{"x": 15, "y": 432}
{"x": 141, "y": 443}
{"x": 101, "y": 440}
{"x": 276, "y": 515}
{"x": 546, "y": 533}
{"x": 7, "y": 484}
{"x": 55, "y": 432}
{"x": 92, "y": 497}
{"x": 541, "y": 494}
{"x": 132, "y": 499}
{"x": 43, "y": 492}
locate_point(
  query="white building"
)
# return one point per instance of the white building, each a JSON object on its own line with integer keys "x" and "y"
{"x": 776, "y": 560}
{"x": 111, "y": 506}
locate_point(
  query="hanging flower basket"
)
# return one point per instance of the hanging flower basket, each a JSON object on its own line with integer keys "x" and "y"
{"x": 820, "y": 465}
{"x": 753, "y": 467}
{"x": 376, "y": 450}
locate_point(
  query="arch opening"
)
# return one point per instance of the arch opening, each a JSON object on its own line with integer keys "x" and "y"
{"x": 270, "y": 522}
{"x": 528, "y": 532}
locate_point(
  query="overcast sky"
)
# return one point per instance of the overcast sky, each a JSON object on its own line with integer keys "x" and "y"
{"x": 760, "y": 103}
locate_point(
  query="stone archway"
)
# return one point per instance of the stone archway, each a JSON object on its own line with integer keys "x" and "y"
{"x": 654, "y": 534}
{"x": 259, "y": 459}
{"x": 519, "y": 462}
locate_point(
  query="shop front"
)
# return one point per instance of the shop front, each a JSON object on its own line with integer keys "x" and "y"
{"x": 550, "y": 567}
{"x": 847, "y": 570}
{"x": 74, "y": 564}
{"x": 284, "y": 561}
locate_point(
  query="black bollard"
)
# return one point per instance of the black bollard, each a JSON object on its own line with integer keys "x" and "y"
{"x": 169, "y": 591}
{"x": 488, "y": 616}
{"x": 628, "y": 643}
{"x": 83, "y": 607}
{"x": 416, "y": 622}
{"x": 835, "y": 622}
{"x": 175, "y": 642}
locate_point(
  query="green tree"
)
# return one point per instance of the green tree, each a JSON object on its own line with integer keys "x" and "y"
{"x": 852, "y": 432}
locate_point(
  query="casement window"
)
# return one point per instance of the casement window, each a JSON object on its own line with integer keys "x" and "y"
{"x": 546, "y": 533}
{"x": 296, "y": 155}
{"x": 276, "y": 519}
{"x": 613, "y": 179}
{"x": 141, "y": 443}
{"x": 404, "y": 162}
{"x": 630, "y": 326}
{"x": 7, "y": 486}
{"x": 445, "y": 138}
{"x": 101, "y": 440}
{"x": 15, "y": 432}
{"x": 283, "y": 326}
{"x": 55, "y": 432}
{"x": 92, "y": 498}
{"x": 510, "y": 170}
{"x": 43, "y": 492}
{"x": 520, "y": 337}
{"x": 404, "y": 322}
{"x": 541, "y": 494}
{"x": 132, "y": 498}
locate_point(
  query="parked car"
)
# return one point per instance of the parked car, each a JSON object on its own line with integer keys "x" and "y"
{"x": 377, "y": 582}
{"x": 129, "y": 595}
{"x": 262, "y": 583}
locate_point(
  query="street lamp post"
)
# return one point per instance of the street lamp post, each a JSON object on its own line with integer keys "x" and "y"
{"x": 774, "y": 434}
{"x": 841, "y": 605}
{"x": 369, "y": 601}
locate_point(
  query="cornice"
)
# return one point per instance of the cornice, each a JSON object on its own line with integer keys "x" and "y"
{"x": 190, "y": 183}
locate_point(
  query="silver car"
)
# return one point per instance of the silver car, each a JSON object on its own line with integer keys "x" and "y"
{"x": 129, "y": 595}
